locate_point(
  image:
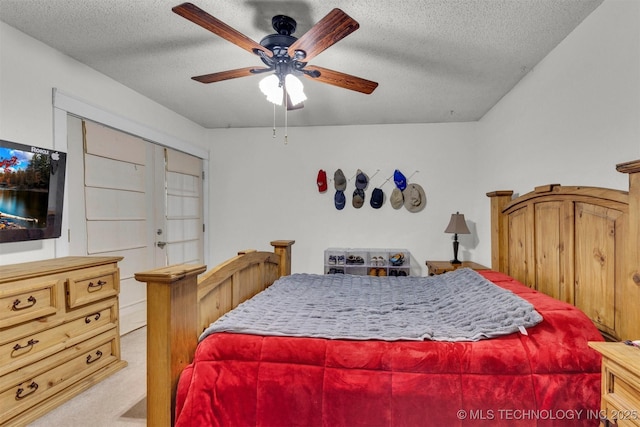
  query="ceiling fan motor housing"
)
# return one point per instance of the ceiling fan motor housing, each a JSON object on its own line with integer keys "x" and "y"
{"x": 281, "y": 62}
{"x": 279, "y": 43}
{"x": 284, "y": 24}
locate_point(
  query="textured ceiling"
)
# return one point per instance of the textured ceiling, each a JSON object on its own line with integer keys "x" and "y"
{"x": 435, "y": 60}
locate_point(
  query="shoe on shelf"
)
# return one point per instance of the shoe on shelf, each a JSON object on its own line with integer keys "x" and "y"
{"x": 382, "y": 272}
{"x": 373, "y": 272}
{"x": 377, "y": 261}
{"x": 397, "y": 259}
{"x": 332, "y": 260}
{"x": 355, "y": 259}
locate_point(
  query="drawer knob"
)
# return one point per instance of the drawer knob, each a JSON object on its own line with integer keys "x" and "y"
{"x": 32, "y": 389}
{"x": 17, "y": 302}
{"x": 90, "y": 358}
{"x": 28, "y": 345}
{"x": 93, "y": 287}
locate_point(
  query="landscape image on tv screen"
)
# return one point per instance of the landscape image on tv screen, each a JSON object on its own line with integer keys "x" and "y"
{"x": 29, "y": 180}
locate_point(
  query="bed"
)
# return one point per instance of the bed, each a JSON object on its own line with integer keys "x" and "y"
{"x": 572, "y": 252}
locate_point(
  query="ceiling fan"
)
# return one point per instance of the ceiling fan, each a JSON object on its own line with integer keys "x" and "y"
{"x": 283, "y": 54}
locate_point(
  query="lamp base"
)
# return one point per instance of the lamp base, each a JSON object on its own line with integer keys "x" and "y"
{"x": 455, "y": 260}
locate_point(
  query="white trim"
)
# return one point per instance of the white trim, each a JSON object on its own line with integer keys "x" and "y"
{"x": 61, "y": 245}
{"x": 64, "y": 104}
{"x": 87, "y": 111}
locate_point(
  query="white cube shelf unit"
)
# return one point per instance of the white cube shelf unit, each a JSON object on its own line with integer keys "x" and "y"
{"x": 367, "y": 261}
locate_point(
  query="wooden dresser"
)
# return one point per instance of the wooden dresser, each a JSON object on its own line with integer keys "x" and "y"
{"x": 620, "y": 383}
{"x": 59, "y": 332}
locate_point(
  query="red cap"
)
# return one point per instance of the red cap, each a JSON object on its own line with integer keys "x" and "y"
{"x": 322, "y": 181}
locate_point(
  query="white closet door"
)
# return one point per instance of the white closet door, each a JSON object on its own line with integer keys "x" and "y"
{"x": 131, "y": 196}
{"x": 180, "y": 228}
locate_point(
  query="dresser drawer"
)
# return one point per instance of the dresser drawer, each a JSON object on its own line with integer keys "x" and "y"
{"x": 620, "y": 417}
{"x": 84, "y": 324}
{"x": 22, "y": 390}
{"x": 621, "y": 393}
{"x": 27, "y": 300}
{"x": 93, "y": 285}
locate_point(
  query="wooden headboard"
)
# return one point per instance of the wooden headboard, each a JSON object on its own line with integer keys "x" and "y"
{"x": 577, "y": 244}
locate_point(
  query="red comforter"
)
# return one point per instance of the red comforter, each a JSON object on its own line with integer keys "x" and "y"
{"x": 549, "y": 377}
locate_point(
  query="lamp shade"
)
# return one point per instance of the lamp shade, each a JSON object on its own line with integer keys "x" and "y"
{"x": 457, "y": 224}
{"x": 294, "y": 89}
{"x": 271, "y": 88}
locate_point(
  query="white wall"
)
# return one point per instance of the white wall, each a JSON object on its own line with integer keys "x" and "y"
{"x": 574, "y": 116}
{"x": 29, "y": 70}
{"x": 257, "y": 177}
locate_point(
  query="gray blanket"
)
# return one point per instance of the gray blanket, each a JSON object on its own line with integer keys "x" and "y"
{"x": 457, "y": 306}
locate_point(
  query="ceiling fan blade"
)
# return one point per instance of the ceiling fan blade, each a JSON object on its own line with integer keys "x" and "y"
{"x": 342, "y": 80}
{"x": 328, "y": 31}
{"x": 230, "y": 74}
{"x": 200, "y": 17}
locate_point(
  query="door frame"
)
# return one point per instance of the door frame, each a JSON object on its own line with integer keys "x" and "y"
{"x": 64, "y": 105}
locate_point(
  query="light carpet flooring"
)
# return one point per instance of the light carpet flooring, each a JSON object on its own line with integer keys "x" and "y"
{"x": 114, "y": 401}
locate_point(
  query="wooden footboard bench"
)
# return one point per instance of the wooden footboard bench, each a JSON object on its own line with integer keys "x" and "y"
{"x": 182, "y": 302}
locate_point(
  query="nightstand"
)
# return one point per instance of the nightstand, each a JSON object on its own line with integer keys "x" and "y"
{"x": 439, "y": 267}
{"x": 620, "y": 383}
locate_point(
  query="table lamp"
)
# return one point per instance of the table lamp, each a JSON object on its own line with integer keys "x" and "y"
{"x": 457, "y": 225}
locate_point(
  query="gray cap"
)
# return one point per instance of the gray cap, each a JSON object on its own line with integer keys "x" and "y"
{"x": 339, "y": 180}
{"x": 358, "y": 198}
{"x": 362, "y": 180}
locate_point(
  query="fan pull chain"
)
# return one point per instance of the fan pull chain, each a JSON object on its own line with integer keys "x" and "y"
{"x": 286, "y": 128}
{"x": 274, "y": 121}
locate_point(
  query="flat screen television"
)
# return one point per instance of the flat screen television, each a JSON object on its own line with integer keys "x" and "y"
{"x": 31, "y": 192}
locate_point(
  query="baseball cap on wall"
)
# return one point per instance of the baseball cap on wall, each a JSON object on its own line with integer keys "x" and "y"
{"x": 400, "y": 180}
{"x": 339, "y": 180}
{"x": 377, "y": 198}
{"x": 362, "y": 180}
{"x": 396, "y": 199}
{"x": 339, "y": 200}
{"x": 358, "y": 198}
{"x": 322, "y": 181}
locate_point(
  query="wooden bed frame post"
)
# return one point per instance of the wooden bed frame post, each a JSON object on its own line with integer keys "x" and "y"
{"x": 282, "y": 248}
{"x": 171, "y": 298}
{"x": 499, "y": 235}
{"x": 632, "y": 252}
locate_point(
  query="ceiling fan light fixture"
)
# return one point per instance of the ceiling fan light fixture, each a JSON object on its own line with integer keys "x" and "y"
{"x": 295, "y": 89}
{"x": 270, "y": 87}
